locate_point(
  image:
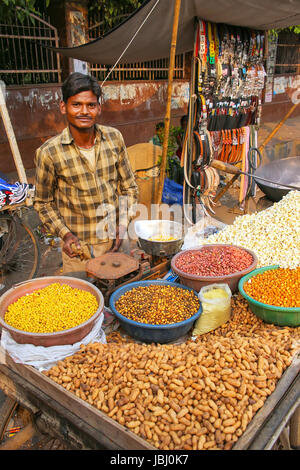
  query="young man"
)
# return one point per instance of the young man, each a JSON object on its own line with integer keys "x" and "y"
{"x": 80, "y": 175}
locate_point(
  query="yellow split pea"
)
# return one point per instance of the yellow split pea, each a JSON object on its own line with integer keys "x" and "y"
{"x": 53, "y": 308}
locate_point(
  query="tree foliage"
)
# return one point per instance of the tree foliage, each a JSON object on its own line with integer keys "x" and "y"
{"x": 292, "y": 29}
{"x": 113, "y": 10}
{"x": 20, "y": 9}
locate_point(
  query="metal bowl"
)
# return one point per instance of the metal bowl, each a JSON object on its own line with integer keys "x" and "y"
{"x": 283, "y": 171}
{"x": 69, "y": 336}
{"x": 147, "y": 229}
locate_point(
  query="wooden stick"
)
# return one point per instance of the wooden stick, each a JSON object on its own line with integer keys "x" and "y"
{"x": 169, "y": 95}
{"x": 7, "y": 410}
{"x": 276, "y": 129}
{"x": 228, "y": 185}
{"x": 12, "y": 139}
{"x": 295, "y": 429}
{"x": 227, "y": 167}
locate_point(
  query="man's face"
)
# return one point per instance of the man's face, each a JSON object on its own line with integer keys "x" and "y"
{"x": 81, "y": 110}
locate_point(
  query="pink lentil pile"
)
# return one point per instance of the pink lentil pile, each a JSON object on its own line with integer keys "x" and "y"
{"x": 214, "y": 261}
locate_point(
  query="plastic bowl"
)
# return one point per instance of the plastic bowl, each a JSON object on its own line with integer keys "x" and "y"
{"x": 197, "y": 282}
{"x": 269, "y": 313}
{"x": 149, "y": 333}
{"x": 69, "y": 336}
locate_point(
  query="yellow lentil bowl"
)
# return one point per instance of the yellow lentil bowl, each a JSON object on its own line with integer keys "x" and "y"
{"x": 54, "y": 308}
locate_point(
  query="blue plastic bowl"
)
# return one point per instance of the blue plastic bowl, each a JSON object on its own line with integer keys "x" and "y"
{"x": 146, "y": 332}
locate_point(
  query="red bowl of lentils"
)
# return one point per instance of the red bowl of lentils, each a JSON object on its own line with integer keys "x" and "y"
{"x": 209, "y": 264}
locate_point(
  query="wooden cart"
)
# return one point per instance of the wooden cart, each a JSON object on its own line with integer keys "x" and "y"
{"x": 82, "y": 426}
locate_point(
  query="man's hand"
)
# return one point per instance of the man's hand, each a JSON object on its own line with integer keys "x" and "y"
{"x": 68, "y": 240}
{"x": 120, "y": 232}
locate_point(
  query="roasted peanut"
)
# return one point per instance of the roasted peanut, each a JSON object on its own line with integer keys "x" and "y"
{"x": 199, "y": 394}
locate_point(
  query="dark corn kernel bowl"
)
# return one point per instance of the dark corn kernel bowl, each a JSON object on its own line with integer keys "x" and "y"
{"x": 152, "y": 332}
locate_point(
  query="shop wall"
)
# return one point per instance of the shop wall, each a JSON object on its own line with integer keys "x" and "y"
{"x": 286, "y": 92}
{"x": 132, "y": 107}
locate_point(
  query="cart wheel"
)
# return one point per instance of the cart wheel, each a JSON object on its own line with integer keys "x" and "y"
{"x": 19, "y": 252}
{"x": 6, "y": 411}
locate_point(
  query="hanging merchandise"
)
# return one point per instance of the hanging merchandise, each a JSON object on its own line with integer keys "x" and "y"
{"x": 226, "y": 86}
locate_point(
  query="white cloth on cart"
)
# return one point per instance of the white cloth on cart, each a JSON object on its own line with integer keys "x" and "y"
{"x": 42, "y": 357}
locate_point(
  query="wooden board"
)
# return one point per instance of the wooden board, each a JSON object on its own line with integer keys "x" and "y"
{"x": 261, "y": 420}
{"x": 114, "y": 436}
{"x": 111, "y": 435}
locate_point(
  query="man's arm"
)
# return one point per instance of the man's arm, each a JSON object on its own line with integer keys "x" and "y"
{"x": 44, "y": 202}
{"x": 127, "y": 187}
{"x": 127, "y": 184}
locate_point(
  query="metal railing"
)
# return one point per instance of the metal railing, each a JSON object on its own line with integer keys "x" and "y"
{"x": 288, "y": 54}
{"x": 23, "y": 57}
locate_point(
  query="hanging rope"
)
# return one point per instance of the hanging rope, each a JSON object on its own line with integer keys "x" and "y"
{"x": 130, "y": 42}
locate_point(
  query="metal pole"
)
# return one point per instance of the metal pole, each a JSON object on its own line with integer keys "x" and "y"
{"x": 169, "y": 95}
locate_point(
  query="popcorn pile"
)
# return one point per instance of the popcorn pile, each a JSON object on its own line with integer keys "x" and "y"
{"x": 273, "y": 234}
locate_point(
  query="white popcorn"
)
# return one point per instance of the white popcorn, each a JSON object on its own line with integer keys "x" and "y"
{"x": 272, "y": 234}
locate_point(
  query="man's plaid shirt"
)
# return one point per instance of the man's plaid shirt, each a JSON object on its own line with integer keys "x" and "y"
{"x": 69, "y": 193}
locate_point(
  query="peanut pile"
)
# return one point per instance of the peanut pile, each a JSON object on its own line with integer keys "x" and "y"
{"x": 200, "y": 394}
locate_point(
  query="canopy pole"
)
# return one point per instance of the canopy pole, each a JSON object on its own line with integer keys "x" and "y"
{"x": 276, "y": 129}
{"x": 169, "y": 95}
{"x": 12, "y": 139}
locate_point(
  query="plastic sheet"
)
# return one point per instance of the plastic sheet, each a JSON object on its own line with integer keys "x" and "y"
{"x": 172, "y": 192}
{"x": 42, "y": 357}
{"x": 216, "y": 305}
{"x": 197, "y": 233}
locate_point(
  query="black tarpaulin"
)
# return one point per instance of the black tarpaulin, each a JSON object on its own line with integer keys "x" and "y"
{"x": 154, "y": 38}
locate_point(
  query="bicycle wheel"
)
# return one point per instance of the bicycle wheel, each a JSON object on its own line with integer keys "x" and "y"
{"x": 19, "y": 254}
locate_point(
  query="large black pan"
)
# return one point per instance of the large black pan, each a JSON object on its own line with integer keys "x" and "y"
{"x": 283, "y": 171}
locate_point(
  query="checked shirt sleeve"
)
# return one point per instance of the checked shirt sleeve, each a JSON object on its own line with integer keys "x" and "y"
{"x": 127, "y": 184}
{"x": 44, "y": 202}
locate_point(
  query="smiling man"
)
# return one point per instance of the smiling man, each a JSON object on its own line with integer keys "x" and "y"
{"x": 80, "y": 175}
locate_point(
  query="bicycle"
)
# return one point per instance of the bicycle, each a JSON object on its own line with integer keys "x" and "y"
{"x": 19, "y": 248}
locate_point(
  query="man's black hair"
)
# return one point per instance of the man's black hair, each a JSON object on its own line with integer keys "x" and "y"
{"x": 78, "y": 82}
